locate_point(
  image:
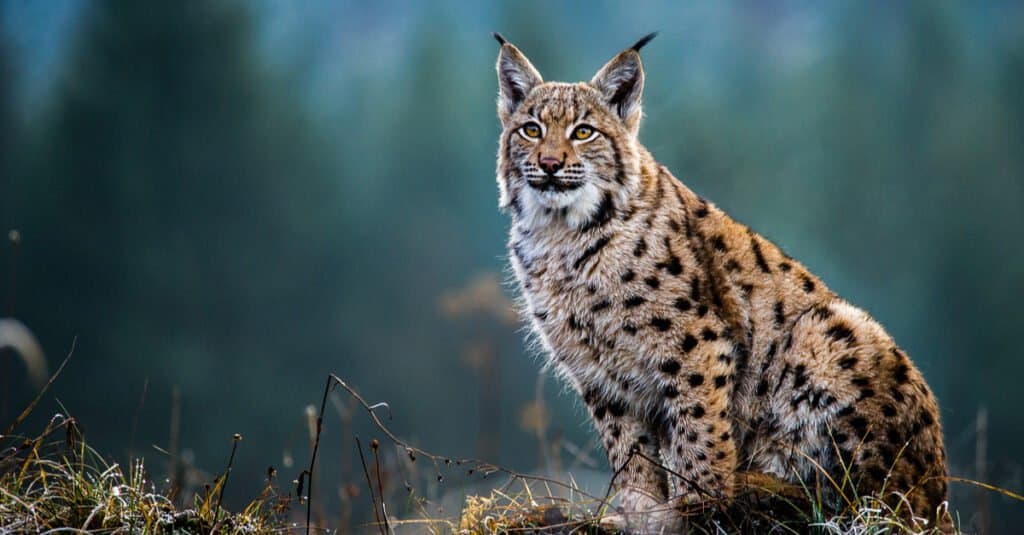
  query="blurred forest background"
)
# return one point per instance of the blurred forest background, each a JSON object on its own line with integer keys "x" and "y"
{"x": 225, "y": 200}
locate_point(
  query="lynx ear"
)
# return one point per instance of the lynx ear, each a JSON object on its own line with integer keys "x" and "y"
{"x": 621, "y": 81}
{"x": 516, "y": 78}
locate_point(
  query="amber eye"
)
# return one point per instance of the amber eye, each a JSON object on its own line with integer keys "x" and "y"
{"x": 531, "y": 130}
{"x": 582, "y": 132}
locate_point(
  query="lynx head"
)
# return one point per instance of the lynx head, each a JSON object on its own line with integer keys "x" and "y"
{"x": 568, "y": 151}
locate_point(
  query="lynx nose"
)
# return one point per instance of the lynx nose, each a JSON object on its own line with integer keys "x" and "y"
{"x": 550, "y": 165}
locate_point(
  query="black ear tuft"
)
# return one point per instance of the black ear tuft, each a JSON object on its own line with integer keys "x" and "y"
{"x": 639, "y": 44}
{"x": 502, "y": 40}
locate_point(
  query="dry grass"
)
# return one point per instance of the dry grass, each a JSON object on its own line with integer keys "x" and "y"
{"x": 502, "y": 513}
{"x": 57, "y": 483}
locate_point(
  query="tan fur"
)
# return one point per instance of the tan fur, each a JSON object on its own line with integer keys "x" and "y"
{"x": 691, "y": 338}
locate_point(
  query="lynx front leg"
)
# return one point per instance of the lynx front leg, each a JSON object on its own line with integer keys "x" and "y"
{"x": 698, "y": 445}
{"x": 632, "y": 447}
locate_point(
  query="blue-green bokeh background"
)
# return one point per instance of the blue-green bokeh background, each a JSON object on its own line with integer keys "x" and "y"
{"x": 233, "y": 199}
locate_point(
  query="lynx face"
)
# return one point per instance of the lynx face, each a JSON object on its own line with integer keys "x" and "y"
{"x": 567, "y": 149}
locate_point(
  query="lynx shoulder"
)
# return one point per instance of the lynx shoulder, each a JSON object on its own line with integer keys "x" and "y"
{"x": 689, "y": 337}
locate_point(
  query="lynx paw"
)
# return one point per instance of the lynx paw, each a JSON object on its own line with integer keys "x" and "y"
{"x": 640, "y": 514}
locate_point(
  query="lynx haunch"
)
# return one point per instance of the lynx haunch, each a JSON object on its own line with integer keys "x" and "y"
{"x": 691, "y": 338}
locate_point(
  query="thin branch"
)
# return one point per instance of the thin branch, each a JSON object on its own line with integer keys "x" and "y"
{"x": 31, "y": 406}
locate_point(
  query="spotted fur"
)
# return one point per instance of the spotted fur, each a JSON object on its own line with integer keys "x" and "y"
{"x": 691, "y": 338}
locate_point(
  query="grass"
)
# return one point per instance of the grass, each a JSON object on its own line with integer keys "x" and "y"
{"x": 56, "y": 483}
{"x": 757, "y": 509}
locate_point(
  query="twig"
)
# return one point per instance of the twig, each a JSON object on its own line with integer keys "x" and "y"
{"x": 375, "y": 446}
{"x": 235, "y": 439}
{"x": 369, "y": 484}
{"x": 31, "y": 406}
{"x": 483, "y": 466}
{"x": 316, "y": 446}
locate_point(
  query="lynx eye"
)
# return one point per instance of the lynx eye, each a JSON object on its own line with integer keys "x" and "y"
{"x": 531, "y": 130}
{"x": 583, "y": 132}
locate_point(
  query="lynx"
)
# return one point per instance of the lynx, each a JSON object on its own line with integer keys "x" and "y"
{"x": 699, "y": 347}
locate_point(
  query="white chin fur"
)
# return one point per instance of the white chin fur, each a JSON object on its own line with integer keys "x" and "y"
{"x": 579, "y": 204}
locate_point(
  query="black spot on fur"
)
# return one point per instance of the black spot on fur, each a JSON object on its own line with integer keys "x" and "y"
{"x": 653, "y": 282}
{"x": 758, "y": 255}
{"x": 900, "y": 374}
{"x": 708, "y": 335}
{"x": 689, "y": 342}
{"x": 629, "y": 329}
{"x": 888, "y": 410}
{"x": 845, "y": 411}
{"x": 591, "y": 251}
{"x": 702, "y": 210}
{"x": 799, "y": 376}
{"x": 720, "y": 381}
{"x": 782, "y": 377}
{"x": 847, "y": 362}
{"x": 682, "y": 304}
{"x": 633, "y": 301}
{"x": 897, "y": 395}
{"x": 673, "y": 266}
{"x": 859, "y": 424}
{"x": 702, "y": 311}
{"x": 604, "y": 213}
{"x": 697, "y": 411}
{"x": 785, "y": 266}
{"x": 860, "y": 381}
{"x": 822, "y": 312}
{"x": 808, "y": 283}
{"x": 671, "y": 392}
{"x": 718, "y": 242}
{"x": 662, "y": 324}
{"x": 692, "y": 436}
{"x": 732, "y": 265}
{"x": 762, "y": 387}
{"x": 841, "y": 332}
{"x": 695, "y": 379}
{"x": 628, "y": 276}
{"x": 599, "y": 412}
{"x": 600, "y": 305}
{"x": 780, "y": 315}
{"x": 670, "y": 366}
{"x": 541, "y": 315}
{"x": 617, "y": 408}
{"x": 641, "y": 248}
